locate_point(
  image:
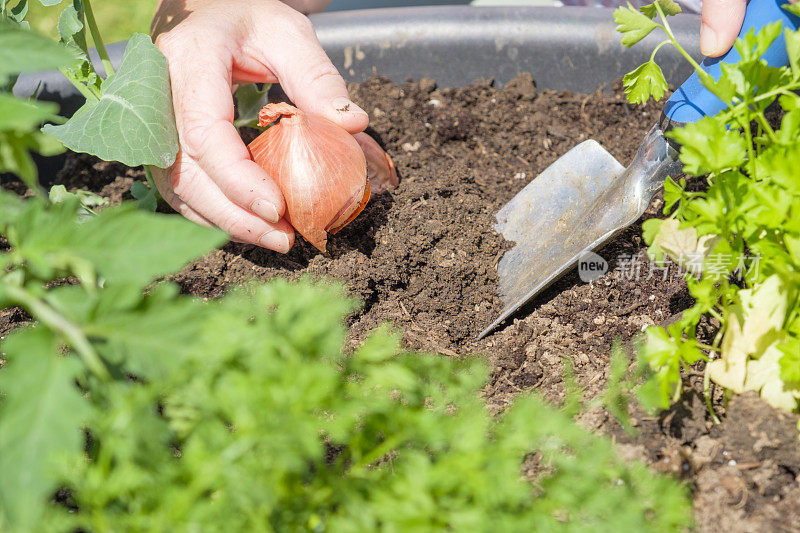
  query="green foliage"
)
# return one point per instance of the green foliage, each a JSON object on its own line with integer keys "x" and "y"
{"x": 741, "y": 234}
{"x": 621, "y": 382}
{"x": 633, "y": 24}
{"x": 707, "y": 146}
{"x": 790, "y": 364}
{"x": 132, "y": 122}
{"x": 573, "y": 393}
{"x": 17, "y": 13}
{"x": 22, "y": 50}
{"x": 17, "y": 114}
{"x": 147, "y": 196}
{"x": 42, "y": 411}
{"x": 127, "y": 117}
{"x": 50, "y": 245}
{"x": 87, "y": 201}
{"x": 72, "y": 30}
{"x": 668, "y": 8}
{"x": 16, "y": 143}
{"x": 647, "y": 79}
{"x": 243, "y": 413}
{"x": 157, "y": 411}
{"x": 665, "y": 353}
{"x": 118, "y": 18}
{"x": 249, "y": 101}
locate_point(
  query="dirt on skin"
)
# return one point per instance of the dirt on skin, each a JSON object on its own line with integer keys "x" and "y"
{"x": 424, "y": 258}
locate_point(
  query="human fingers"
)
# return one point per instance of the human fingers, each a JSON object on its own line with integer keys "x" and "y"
{"x": 203, "y": 104}
{"x": 191, "y": 193}
{"x": 305, "y": 72}
{"x": 721, "y": 22}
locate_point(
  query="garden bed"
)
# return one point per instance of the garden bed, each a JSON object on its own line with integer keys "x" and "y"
{"x": 423, "y": 257}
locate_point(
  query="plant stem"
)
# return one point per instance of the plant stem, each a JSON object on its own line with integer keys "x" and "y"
{"x": 718, "y": 337}
{"x": 85, "y": 90}
{"x": 766, "y": 127}
{"x": 98, "y": 41}
{"x": 668, "y": 31}
{"x": 51, "y": 318}
{"x": 149, "y": 175}
{"x": 705, "y": 77}
{"x": 706, "y": 389}
{"x": 658, "y": 46}
{"x": 786, "y": 89}
{"x": 148, "y": 172}
{"x": 706, "y": 347}
{"x": 677, "y": 394}
{"x": 751, "y": 156}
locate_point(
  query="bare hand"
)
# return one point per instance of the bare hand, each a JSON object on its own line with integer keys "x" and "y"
{"x": 722, "y": 21}
{"x": 211, "y": 45}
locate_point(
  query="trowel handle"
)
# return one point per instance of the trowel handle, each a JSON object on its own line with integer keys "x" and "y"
{"x": 692, "y": 101}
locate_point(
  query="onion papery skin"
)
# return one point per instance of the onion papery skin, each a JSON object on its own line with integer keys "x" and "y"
{"x": 381, "y": 172}
{"x": 319, "y": 167}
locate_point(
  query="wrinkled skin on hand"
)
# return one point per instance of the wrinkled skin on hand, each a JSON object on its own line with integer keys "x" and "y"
{"x": 211, "y": 46}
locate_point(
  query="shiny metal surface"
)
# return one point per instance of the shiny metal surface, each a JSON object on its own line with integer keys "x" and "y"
{"x": 576, "y": 204}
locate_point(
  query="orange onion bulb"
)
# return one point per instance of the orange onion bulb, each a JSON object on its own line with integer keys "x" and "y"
{"x": 380, "y": 167}
{"x": 319, "y": 167}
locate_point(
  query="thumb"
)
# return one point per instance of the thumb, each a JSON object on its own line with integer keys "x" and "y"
{"x": 309, "y": 78}
{"x": 722, "y": 20}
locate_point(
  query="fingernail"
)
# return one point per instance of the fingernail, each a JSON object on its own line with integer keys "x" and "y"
{"x": 275, "y": 240}
{"x": 345, "y": 105}
{"x": 265, "y": 210}
{"x": 708, "y": 40}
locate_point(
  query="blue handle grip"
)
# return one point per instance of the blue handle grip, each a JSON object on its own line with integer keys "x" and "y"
{"x": 692, "y": 101}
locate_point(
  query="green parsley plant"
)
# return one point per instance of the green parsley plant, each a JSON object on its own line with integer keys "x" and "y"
{"x": 741, "y": 232}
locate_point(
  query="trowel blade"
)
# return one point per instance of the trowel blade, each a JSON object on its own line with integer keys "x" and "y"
{"x": 566, "y": 210}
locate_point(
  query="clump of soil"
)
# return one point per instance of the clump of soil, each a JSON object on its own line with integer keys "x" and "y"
{"x": 424, "y": 255}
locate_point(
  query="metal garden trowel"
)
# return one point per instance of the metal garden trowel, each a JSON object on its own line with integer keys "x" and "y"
{"x": 586, "y": 197}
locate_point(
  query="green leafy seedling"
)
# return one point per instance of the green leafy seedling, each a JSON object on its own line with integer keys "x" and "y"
{"x": 742, "y": 228}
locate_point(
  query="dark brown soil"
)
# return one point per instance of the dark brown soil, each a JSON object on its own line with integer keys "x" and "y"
{"x": 423, "y": 257}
